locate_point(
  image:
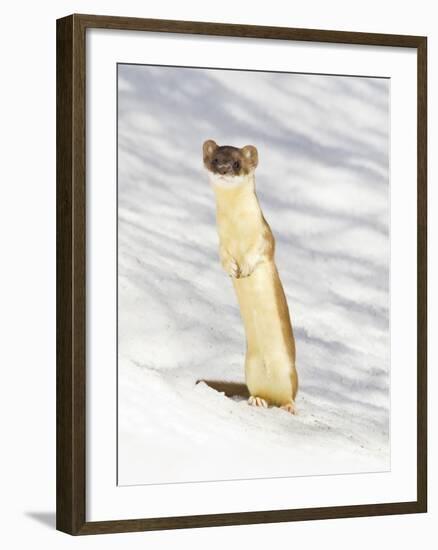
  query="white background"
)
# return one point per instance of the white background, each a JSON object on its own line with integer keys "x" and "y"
{"x": 27, "y": 299}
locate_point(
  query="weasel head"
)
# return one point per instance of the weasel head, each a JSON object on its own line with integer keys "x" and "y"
{"x": 227, "y": 166}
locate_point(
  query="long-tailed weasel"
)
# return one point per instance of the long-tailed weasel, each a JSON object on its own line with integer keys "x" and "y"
{"x": 246, "y": 250}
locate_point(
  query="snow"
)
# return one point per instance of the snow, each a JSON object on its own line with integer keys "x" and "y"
{"x": 323, "y": 184}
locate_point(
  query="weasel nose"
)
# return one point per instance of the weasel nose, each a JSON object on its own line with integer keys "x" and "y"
{"x": 224, "y": 168}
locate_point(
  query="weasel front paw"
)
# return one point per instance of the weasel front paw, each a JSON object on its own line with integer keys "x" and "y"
{"x": 246, "y": 269}
{"x": 257, "y": 402}
{"x": 233, "y": 269}
{"x": 229, "y": 263}
{"x": 251, "y": 261}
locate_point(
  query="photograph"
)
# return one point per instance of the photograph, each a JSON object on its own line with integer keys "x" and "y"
{"x": 223, "y": 215}
{"x": 253, "y": 274}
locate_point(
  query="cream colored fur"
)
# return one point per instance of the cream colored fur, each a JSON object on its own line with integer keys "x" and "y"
{"x": 247, "y": 255}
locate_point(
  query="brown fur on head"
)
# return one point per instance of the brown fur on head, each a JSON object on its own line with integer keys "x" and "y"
{"x": 227, "y": 160}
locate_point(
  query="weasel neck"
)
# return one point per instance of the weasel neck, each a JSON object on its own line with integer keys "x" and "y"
{"x": 233, "y": 197}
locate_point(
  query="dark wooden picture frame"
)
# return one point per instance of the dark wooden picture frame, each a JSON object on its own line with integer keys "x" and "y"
{"x": 71, "y": 271}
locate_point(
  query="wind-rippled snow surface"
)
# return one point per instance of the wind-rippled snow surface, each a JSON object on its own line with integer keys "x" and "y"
{"x": 323, "y": 185}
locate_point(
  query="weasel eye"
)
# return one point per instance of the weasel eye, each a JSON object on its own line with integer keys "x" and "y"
{"x": 214, "y": 161}
{"x": 236, "y": 165}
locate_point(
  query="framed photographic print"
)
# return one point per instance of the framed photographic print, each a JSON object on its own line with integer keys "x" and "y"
{"x": 241, "y": 274}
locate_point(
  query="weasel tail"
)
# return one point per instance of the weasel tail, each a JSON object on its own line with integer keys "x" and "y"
{"x": 246, "y": 249}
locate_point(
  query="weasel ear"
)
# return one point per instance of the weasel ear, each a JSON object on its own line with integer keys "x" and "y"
{"x": 249, "y": 152}
{"x": 208, "y": 149}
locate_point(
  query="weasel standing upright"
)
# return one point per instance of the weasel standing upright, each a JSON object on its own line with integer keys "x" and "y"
{"x": 246, "y": 251}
